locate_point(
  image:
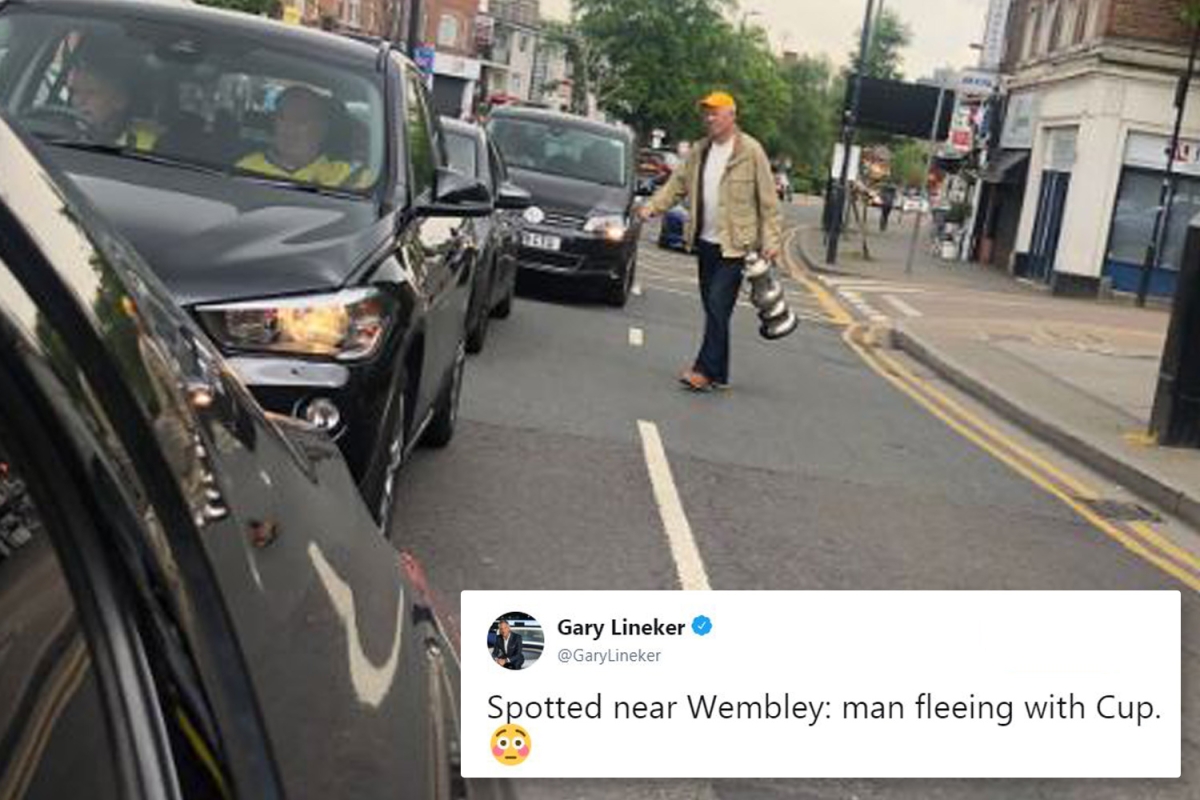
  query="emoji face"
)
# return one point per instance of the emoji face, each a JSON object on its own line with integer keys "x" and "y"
{"x": 510, "y": 745}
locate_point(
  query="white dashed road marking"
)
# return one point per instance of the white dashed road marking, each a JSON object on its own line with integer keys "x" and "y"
{"x": 688, "y": 564}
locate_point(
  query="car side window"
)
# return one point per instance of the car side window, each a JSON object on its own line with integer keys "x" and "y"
{"x": 422, "y": 149}
{"x": 52, "y": 720}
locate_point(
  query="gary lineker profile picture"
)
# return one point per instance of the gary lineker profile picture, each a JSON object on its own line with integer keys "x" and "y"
{"x": 515, "y": 640}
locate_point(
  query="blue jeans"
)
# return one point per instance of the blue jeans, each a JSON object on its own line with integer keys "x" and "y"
{"x": 720, "y": 280}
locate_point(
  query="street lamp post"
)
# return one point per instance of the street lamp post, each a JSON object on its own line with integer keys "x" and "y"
{"x": 1166, "y": 194}
{"x": 849, "y": 119}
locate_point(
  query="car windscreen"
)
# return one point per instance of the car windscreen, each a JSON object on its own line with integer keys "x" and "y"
{"x": 207, "y": 99}
{"x": 556, "y": 148}
{"x": 462, "y": 149}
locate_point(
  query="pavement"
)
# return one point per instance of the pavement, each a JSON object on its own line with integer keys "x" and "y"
{"x": 812, "y": 472}
{"x": 1080, "y": 374}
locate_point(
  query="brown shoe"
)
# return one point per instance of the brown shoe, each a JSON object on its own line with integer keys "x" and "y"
{"x": 695, "y": 381}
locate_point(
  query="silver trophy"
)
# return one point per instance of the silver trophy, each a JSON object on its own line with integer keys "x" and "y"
{"x": 766, "y": 293}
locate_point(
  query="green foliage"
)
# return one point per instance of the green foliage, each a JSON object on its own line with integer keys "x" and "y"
{"x": 810, "y": 125}
{"x": 1190, "y": 13}
{"x": 649, "y": 61}
{"x": 890, "y": 37}
{"x": 908, "y": 163}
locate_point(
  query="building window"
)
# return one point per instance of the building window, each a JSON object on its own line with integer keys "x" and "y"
{"x": 523, "y": 43}
{"x": 448, "y": 31}
{"x": 1082, "y": 20}
{"x": 1133, "y": 217}
{"x": 514, "y": 84}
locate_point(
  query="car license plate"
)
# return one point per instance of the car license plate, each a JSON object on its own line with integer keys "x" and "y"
{"x": 541, "y": 241}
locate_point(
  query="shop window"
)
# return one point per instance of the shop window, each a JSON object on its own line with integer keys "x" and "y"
{"x": 1133, "y": 217}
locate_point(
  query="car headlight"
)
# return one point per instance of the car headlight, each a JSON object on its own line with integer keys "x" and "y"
{"x": 612, "y": 226}
{"x": 345, "y": 325}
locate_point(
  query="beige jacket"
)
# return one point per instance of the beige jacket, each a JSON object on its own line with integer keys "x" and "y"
{"x": 748, "y": 216}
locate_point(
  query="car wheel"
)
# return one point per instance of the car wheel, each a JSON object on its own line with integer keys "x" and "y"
{"x": 383, "y": 500}
{"x": 445, "y": 416}
{"x": 504, "y": 308}
{"x": 618, "y": 295}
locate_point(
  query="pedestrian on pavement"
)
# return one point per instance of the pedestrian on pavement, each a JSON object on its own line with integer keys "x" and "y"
{"x": 887, "y": 202}
{"x": 733, "y": 210}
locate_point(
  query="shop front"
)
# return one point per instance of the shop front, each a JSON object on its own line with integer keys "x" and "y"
{"x": 1143, "y": 171}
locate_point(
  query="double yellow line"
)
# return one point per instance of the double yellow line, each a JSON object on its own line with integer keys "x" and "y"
{"x": 1138, "y": 537}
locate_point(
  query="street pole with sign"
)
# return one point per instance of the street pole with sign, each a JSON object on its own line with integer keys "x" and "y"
{"x": 849, "y": 119}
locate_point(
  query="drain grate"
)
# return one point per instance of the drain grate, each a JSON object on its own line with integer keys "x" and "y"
{"x": 1120, "y": 510}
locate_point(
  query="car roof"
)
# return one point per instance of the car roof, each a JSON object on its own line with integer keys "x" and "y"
{"x": 271, "y": 32}
{"x": 558, "y": 117}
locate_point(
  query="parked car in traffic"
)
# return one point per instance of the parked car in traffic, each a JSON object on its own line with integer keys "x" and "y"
{"x": 580, "y": 172}
{"x": 670, "y": 232}
{"x": 194, "y": 600}
{"x": 496, "y": 238}
{"x": 289, "y": 187}
{"x": 654, "y": 168}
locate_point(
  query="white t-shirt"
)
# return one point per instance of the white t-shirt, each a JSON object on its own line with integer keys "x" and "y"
{"x": 714, "y": 168}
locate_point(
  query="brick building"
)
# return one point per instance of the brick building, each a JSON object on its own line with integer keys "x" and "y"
{"x": 1090, "y": 106}
{"x": 449, "y": 26}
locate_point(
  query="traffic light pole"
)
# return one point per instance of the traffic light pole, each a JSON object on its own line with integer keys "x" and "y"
{"x": 849, "y": 120}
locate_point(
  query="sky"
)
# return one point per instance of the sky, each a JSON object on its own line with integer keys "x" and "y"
{"x": 943, "y": 30}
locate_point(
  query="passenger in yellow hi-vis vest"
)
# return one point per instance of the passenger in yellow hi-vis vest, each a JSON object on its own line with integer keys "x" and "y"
{"x": 100, "y": 93}
{"x": 301, "y": 125}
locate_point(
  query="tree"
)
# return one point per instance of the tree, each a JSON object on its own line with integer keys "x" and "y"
{"x": 890, "y": 37}
{"x": 809, "y": 125}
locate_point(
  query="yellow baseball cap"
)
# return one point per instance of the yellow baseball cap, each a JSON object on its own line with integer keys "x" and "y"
{"x": 718, "y": 100}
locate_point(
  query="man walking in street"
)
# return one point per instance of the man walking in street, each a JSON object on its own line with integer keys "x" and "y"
{"x": 732, "y": 210}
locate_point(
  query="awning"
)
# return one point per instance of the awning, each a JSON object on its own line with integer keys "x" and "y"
{"x": 1004, "y": 167}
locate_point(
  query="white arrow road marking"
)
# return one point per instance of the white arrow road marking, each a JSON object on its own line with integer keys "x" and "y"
{"x": 371, "y": 682}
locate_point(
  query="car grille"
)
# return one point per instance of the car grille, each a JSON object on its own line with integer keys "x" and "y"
{"x": 561, "y": 220}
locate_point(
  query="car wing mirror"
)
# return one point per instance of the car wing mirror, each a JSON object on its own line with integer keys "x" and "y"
{"x": 456, "y": 195}
{"x": 511, "y": 197}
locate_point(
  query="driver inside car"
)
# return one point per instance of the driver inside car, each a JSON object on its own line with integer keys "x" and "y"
{"x": 301, "y": 127}
{"x": 100, "y": 93}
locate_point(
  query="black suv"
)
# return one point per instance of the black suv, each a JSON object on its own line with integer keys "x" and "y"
{"x": 580, "y": 172}
{"x": 289, "y": 187}
{"x": 496, "y": 237}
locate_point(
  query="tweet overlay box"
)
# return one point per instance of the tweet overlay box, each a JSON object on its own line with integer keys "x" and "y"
{"x": 821, "y": 684}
